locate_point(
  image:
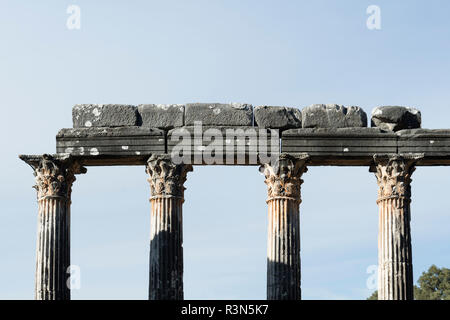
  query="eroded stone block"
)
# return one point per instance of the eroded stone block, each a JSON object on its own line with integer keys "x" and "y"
{"x": 104, "y": 115}
{"x": 333, "y": 116}
{"x": 119, "y": 141}
{"x": 218, "y": 114}
{"x": 394, "y": 118}
{"x": 163, "y": 116}
{"x": 278, "y": 117}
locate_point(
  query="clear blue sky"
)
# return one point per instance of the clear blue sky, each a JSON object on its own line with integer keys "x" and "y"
{"x": 292, "y": 53}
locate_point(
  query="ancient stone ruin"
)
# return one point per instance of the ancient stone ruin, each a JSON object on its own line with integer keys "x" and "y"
{"x": 281, "y": 141}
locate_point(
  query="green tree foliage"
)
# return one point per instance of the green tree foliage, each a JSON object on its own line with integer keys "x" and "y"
{"x": 433, "y": 284}
{"x": 374, "y": 296}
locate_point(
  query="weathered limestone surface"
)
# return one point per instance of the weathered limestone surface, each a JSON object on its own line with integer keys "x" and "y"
{"x": 223, "y": 144}
{"x": 395, "y": 269}
{"x": 54, "y": 178}
{"x": 333, "y": 116}
{"x": 278, "y": 117}
{"x": 166, "y": 240}
{"x": 356, "y": 146}
{"x": 394, "y": 118}
{"x": 433, "y": 143}
{"x": 331, "y": 134}
{"x": 162, "y": 116}
{"x": 104, "y": 115}
{"x": 219, "y": 114}
{"x": 326, "y": 146}
{"x": 121, "y": 141}
{"x": 283, "y": 181}
{"x": 339, "y": 145}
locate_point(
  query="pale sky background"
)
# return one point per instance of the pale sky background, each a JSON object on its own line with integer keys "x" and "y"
{"x": 291, "y": 53}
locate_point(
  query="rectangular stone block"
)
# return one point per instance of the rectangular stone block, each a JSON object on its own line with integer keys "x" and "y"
{"x": 119, "y": 142}
{"x": 431, "y": 142}
{"x": 218, "y": 114}
{"x": 163, "y": 116}
{"x": 337, "y": 145}
{"x": 104, "y": 115}
{"x": 236, "y": 145}
{"x": 278, "y": 117}
{"x": 333, "y": 116}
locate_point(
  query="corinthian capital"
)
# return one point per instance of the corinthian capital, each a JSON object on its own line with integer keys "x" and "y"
{"x": 54, "y": 174}
{"x": 393, "y": 173}
{"x": 283, "y": 178}
{"x": 166, "y": 178}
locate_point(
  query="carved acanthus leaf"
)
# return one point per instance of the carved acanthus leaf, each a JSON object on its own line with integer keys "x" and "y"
{"x": 393, "y": 173}
{"x": 54, "y": 177}
{"x": 283, "y": 179}
{"x": 165, "y": 177}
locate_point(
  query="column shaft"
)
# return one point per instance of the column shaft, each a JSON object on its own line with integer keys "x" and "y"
{"x": 283, "y": 250}
{"x": 395, "y": 258}
{"x": 166, "y": 249}
{"x": 53, "y": 250}
{"x": 166, "y": 236}
{"x": 395, "y": 269}
{"x": 283, "y": 242}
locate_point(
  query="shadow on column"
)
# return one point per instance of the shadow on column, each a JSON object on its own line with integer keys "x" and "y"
{"x": 166, "y": 266}
{"x": 283, "y": 281}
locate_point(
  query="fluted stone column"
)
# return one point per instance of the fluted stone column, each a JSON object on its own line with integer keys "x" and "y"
{"x": 395, "y": 269}
{"x": 283, "y": 181}
{"x": 54, "y": 178}
{"x": 166, "y": 240}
